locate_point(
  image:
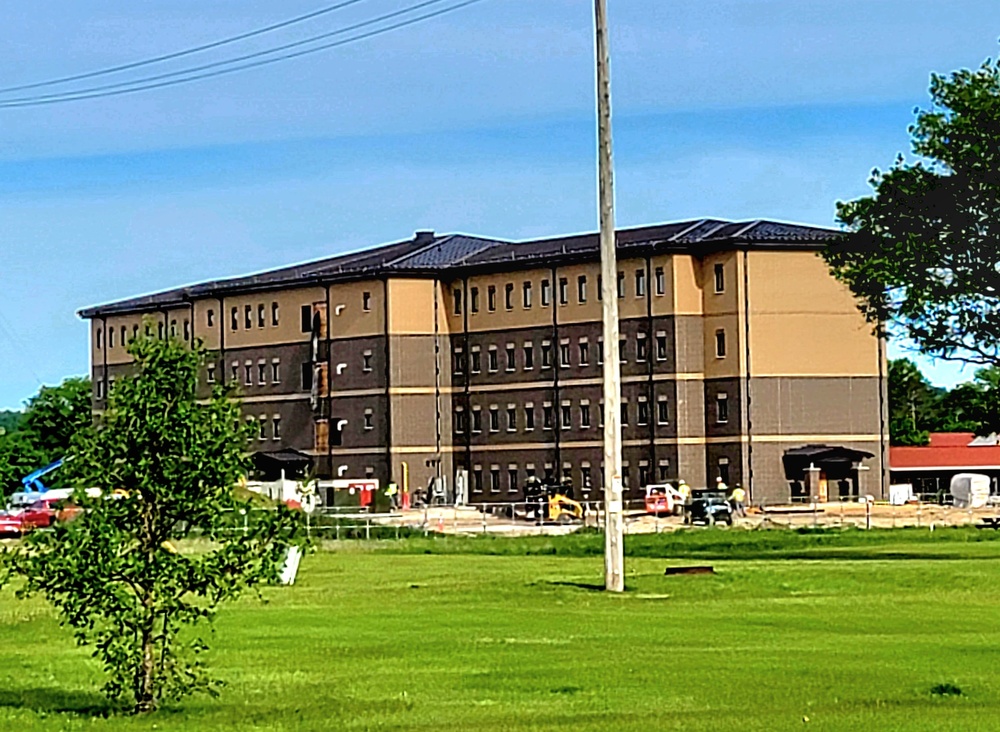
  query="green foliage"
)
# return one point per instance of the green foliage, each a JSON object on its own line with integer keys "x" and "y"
{"x": 9, "y": 421}
{"x": 921, "y": 253}
{"x": 166, "y": 466}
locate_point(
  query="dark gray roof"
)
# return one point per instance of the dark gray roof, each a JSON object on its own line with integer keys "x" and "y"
{"x": 458, "y": 254}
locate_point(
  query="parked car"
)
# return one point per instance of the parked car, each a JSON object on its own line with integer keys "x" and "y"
{"x": 19, "y": 521}
{"x": 710, "y": 508}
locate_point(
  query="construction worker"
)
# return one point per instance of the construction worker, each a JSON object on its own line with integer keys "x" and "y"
{"x": 737, "y": 498}
{"x": 720, "y": 485}
{"x": 391, "y": 492}
{"x": 685, "y": 490}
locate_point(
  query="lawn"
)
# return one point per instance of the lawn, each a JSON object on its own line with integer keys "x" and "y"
{"x": 853, "y": 638}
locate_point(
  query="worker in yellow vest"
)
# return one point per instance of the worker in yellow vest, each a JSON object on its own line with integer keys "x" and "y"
{"x": 738, "y": 497}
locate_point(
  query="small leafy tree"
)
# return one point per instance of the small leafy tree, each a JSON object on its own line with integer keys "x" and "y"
{"x": 166, "y": 466}
{"x": 923, "y": 252}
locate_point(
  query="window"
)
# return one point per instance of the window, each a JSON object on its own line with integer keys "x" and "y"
{"x": 623, "y": 350}
{"x": 235, "y": 372}
{"x": 100, "y": 389}
{"x": 248, "y": 373}
{"x": 125, "y": 332}
{"x": 546, "y": 355}
{"x": 546, "y": 294}
{"x": 306, "y": 323}
{"x": 494, "y": 418}
{"x": 547, "y": 416}
{"x": 211, "y": 373}
{"x": 662, "y": 411}
{"x": 135, "y": 332}
{"x": 261, "y": 372}
{"x": 600, "y": 350}
{"x": 187, "y": 332}
{"x": 625, "y": 476}
{"x": 724, "y": 469}
{"x": 369, "y": 419}
{"x": 663, "y": 471}
{"x": 459, "y": 420}
{"x": 159, "y": 330}
{"x": 624, "y": 413}
{"x": 600, "y": 287}
{"x": 474, "y": 299}
{"x": 566, "y": 416}
{"x": 585, "y": 415}
{"x": 567, "y": 472}
{"x": 261, "y": 316}
{"x": 643, "y": 474}
{"x": 586, "y": 481}
{"x": 512, "y": 479}
{"x": 210, "y": 318}
{"x": 366, "y": 301}
{"x": 477, "y": 479}
{"x": 511, "y": 418}
{"x": 247, "y": 317}
{"x": 722, "y": 407}
{"x": 720, "y": 278}
{"x": 526, "y": 295}
{"x": 660, "y": 281}
{"x": 274, "y": 314}
{"x": 111, "y": 336}
{"x": 456, "y": 298}
{"x": 458, "y": 360}
{"x": 173, "y": 332}
{"x": 477, "y": 360}
{"x": 621, "y": 284}
{"x": 495, "y": 479}
{"x": 491, "y": 298}
{"x": 581, "y": 289}
{"x": 508, "y": 296}
{"x": 563, "y": 291}
{"x": 640, "y": 283}
{"x": 600, "y": 413}
{"x": 642, "y": 418}
{"x": 262, "y": 428}
{"x": 529, "y": 416}
{"x": 564, "y": 361}
{"x": 477, "y": 420}
{"x": 494, "y": 360}
{"x": 661, "y": 346}
{"x": 640, "y": 347}
{"x": 275, "y": 371}
{"x": 529, "y": 357}
{"x": 584, "y": 352}
{"x": 720, "y": 343}
{"x": 511, "y": 357}
{"x": 276, "y": 427}
{"x": 307, "y": 376}
{"x": 366, "y": 361}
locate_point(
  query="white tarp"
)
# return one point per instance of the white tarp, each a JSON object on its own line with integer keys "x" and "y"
{"x": 970, "y": 490}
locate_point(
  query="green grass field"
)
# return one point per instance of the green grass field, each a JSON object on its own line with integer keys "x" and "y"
{"x": 852, "y": 631}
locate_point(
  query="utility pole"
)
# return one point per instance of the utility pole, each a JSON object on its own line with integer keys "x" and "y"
{"x": 614, "y": 550}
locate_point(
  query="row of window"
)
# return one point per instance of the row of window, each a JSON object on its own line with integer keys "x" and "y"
{"x": 489, "y": 480}
{"x": 525, "y": 418}
{"x": 121, "y": 337}
{"x": 563, "y": 290}
{"x": 262, "y": 423}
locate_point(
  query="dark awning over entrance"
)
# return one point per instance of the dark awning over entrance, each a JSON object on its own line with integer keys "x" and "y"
{"x": 834, "y": 460}
{"x": 270, "y": 464}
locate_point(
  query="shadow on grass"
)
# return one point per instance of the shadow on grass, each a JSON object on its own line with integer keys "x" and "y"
{"x": 58, "y": 701}
{"x": 589, "y": 586}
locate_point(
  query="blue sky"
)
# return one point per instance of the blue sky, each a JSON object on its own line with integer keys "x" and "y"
{"x": 480, "y": 121}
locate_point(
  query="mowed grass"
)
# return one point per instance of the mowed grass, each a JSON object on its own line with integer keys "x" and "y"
{"x": 395, "y": 638}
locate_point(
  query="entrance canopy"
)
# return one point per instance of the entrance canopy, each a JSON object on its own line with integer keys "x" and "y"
{"x": 834, "y": 460}
{"x": 271, "y": 464}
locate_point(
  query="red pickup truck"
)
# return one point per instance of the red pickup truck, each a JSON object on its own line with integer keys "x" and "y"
{"x": 19, "y": 521}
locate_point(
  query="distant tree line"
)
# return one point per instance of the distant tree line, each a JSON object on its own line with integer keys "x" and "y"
{"x": 41, "y": 433}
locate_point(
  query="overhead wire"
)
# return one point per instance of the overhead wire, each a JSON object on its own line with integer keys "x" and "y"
{"x": 186, "y": 52}
{"x": 227, "y": 62}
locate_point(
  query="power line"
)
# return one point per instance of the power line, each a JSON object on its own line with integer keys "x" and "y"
{"x": 225, "y": 62}
{"x": 185, "y": 52}
{"x": 83, "y": 94}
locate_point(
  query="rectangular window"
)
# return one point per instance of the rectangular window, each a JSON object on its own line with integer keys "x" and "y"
{"x": 494, "y": 360}
{"x": 210, "y": 318}
{"x": 584, "y": 353}
{"x": 248, "y": 317}
{"x": 477, "y": 360}
{"x": 511, "y": 357}
{"x": 566, "y": 417}
{"x": 641, "y": 351}
{"x": 720, "y": 343}
{"x": 642, "y": 417}
{"x": 211, "y": 373}
{"x": 458, "y": 361}
{"x": 643, "y": 474}
{"x": 366, "y": 361}
{"x": 625, "y": 476}
{"x": 600, "y": 413}
{"x": 508, "y": 296}
{"x": 159, "y": 330}
{"x": 623, "y": 350}
{"x": 526, "y": 295}
{"x": 369, "y": 419}
{"x": 173, "y": 333}
{"x": 546, "y": 294}
{"x": 276, "y": 427}
{"x": 474, "y": 299}
{"x": 459, "y": 420}
{"x": 546, "y": 355}
{"x": 261, "y": 373}
{"x": 274, "y": 314}
{"x": 477, "y": 479}
{"x": 491, "y": 298}
{"x": 261, "y": 316}
{"x": 663, "y": 471}
{"x": 307, "y": 376}
{"x": 262, "y": 428}
{"x": 495, "y": 479}
{"x": 456, "y": 298}
{"x": 722, "y": 407}
{"x": 720, "y": 278}
{"x": 366, "y": 301}
{"x": 600, "y": 287}
{"x": 563, "y": 291}
{"x": 187, "y": 332}
{"x": 661, "y": 346}
{"x": 305, "y": 322}
{"x": 494, "y": 419}
{"x": 600, "y": 351}
{"x": 511, "y": 418}
{"x": 581, "y": 289}
{"x": 477, "y": 420}
{"x": 586, "y": 481}
{"x": 111, "y": 336}
{"x": 640, "y": 283}
{"x": 660, "y": 280}
{"x": 512, "y": 479}
{"x": 621, "y": 284}
{"x": 529, "y": 357}
{"x": 662, "y": 411}
{"x": 235, "y": 372}
{"x": 275, "y": 371}
{"x": 585, "y": 416}
{"x": 529, "y": 416}
{"x": 547, "y": 416}
{"x": 564, "y": 360}
{"x": 624, "y": 414}
{"x": 248, "y": 373}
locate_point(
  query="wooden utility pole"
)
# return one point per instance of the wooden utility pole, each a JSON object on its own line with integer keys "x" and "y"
{"x": 614, "y": 554}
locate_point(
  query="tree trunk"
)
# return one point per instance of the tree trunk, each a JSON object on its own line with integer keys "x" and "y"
{"x": 145, "y": 697}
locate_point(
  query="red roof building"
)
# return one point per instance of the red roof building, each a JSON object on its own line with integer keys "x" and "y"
{"x": 930, "y": 468}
